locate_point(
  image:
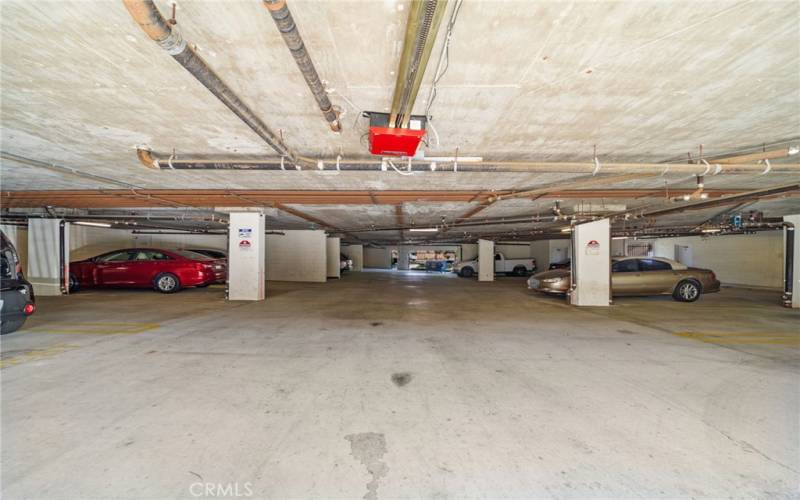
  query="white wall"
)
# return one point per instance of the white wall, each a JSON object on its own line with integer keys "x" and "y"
{"x": 742, "y": 259}
{"x": 469, "y": 251}
{"x": 356, "y": 254}
{"x": 548, "y": 251}
{"x": 514, "y": 250}
{"x": 45, "y": 270}
{"x": 378, "y": 258}
{"x": 333, "y": 256}
{"x": 87, "y": 241}
{"x": 297, "y": 256}
{"x": 19, "y": 238}
{"x": 617, "y": 247}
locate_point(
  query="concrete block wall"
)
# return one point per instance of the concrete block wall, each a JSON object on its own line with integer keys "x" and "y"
{"x": 743, "y": 259}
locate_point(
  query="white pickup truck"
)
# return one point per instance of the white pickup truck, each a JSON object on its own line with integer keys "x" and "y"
{"x": 517, "y": 267}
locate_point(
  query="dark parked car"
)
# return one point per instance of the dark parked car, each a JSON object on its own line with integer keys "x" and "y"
{"x": 166, "y": 271}
{"x": 16, "y": 294}
{"x": 562, "y": 264}
{"x": 214, "y": 254}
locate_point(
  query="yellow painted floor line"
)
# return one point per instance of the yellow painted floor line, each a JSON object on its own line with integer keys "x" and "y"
{"x": 752, "y": 338}
{"x": 98, "y": 328}
{"x": 35, "y": 355}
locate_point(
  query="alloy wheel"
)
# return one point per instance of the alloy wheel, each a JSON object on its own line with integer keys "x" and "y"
{"x": 166, "y": 283}
{"x": 688, "y": 291}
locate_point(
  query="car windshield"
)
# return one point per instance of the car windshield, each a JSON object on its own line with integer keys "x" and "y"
{"x": 191, "y": 255}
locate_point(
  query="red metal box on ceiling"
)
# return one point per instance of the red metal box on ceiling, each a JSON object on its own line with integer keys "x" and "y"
{"x": 394, "y": 141}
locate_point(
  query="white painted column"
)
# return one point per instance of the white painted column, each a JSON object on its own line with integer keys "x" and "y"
{"x": 356, "y": 253}
{"x": 403, "y": 258}
{"x": 333, "y": 256}
{"x": 48, "y": 256}
{"x": 246, "y": 262}
{"x": 485, "y": 260}
{"x": 795, "y": 264}
{"x": 591, "y": 264}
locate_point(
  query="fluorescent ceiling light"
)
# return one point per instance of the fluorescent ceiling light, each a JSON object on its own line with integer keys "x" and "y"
{"x": 93, "y": 224}
{"x": 423, "y": 229}
{"x": 712, "y": 230}
{"x": 620, "y": 237}
{"x": 566, "y": 230}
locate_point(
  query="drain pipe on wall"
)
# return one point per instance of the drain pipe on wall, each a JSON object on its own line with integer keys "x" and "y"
{"x": 148, "y": 17}
{"x": 285, "y": 22}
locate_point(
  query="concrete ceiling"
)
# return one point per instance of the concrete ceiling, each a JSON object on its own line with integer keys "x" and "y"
{"x": 82, "y": 86}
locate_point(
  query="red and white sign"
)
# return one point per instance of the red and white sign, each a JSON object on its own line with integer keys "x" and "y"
{"x": 593, "y": 247}
{"x": 245, "y": 245}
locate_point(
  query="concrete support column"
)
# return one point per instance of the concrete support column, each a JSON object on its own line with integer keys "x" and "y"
{"x": 333, "y": 254}
{"x": 791, "y": 261}
{"x": 591, "y": 264}
{"x": 485, "y": 260}
{"x": 48, "y": 256}
{"x": 246, "y": 262}
{"x": 403, "y": 258}
{"x": 356, "y": 254}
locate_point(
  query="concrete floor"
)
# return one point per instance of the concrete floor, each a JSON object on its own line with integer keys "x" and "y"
{"x": 387, "y": 385}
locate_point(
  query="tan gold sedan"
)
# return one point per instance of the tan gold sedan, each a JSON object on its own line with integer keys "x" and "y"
{"x": 640, "y": 276}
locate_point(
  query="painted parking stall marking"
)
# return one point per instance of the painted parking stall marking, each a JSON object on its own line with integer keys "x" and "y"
{"x": 95, "y": 328}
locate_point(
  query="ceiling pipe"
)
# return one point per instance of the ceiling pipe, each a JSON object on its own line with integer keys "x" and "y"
{"x": 757, "y": 194}
{"x": 762, "y": 155}
{"x": 285, "y": 22}
{"x": 480, "y": 166}
{"x": 148, "y": 17}
{"x": 424, "y": 18}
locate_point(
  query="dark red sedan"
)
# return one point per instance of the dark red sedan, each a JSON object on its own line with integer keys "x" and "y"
{"x": 166, "y": 271}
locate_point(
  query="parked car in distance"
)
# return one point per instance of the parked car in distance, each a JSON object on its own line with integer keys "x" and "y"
{"x": 345, "y": 263}
{"x": 166, "y": 271}
{"x": 208, "y": 252}
{"x": 562, "y": 264}
{"x": 17, "y": 301}
{"x": 517, "y": 267}
{"x": 639, "y": 276}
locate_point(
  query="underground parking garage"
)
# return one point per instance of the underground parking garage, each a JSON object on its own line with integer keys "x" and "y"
{"x": 395, "y": 249}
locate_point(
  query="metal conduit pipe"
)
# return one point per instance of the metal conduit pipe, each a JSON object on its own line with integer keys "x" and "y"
{"x": 150, "y": 160}
{"x": 148, "y": 17}
{"x": 285, "y": 22}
